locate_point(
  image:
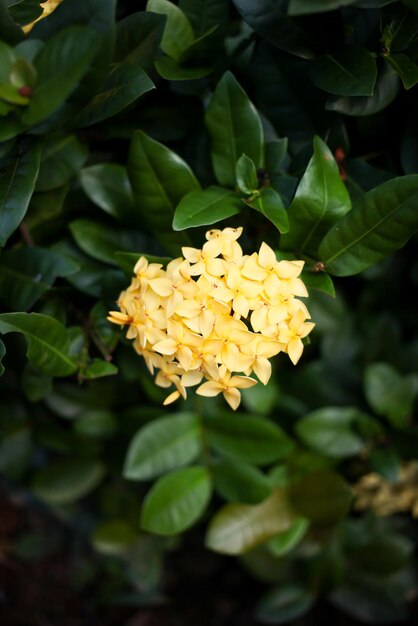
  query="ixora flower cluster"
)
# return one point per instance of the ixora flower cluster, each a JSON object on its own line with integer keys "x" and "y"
{"x": 215, "y": 314}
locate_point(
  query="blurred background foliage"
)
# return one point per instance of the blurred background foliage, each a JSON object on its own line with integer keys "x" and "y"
{"x": 115, "y": 118}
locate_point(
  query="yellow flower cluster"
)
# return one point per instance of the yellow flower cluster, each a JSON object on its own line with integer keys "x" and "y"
{"x": 385, "y": 498}
{"x": 215, "y": 314}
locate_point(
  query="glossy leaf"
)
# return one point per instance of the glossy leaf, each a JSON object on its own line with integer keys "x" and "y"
{"x": 323, "y": 497}
{"x": 405, "y": 67}
{"x": 63, "y": 156}
{"x": 178, "y": 33}
{"x": 274, "y": 24}
{"x": 17, "y": 184}
{"x": 176, "y": 501}
{"x": 321, "y": 200}
{"x": 2, "y": 353}
{"x": 238, "y": 528}
{"x": 27, "y": 273}
{"x": 48, "y": 342}
{"x": 321, "y": 281}
{"x": 108, "y": 186}
{"x": 65, "y": 482}
{"x": 60, "y": 65}
{"x": 329, "y": 431}
{"x": 286, "y": 541}
{"x": 138, "y": 37}
{"x": 248, "y": 438}
{"x": 390, "y": 394}
{"x": 284, "y": 604}
{"x": 246, "y": 175}
{"x": 125, "y": 84}
{"x": 201, "y": 208}
{"x": 170, "y": 69}
{"x": 98, "y": 368}
{"x": 205, "y": 16}
{"x": 162, "y": 445}
{"x": 270, "y": 204}
{"x": 380, "y": 223}
{"x": 348, "y": 72}
{"x": 235, "y": 129}
{"x": 101, "y": 242}
{"x": 240, "y": 482}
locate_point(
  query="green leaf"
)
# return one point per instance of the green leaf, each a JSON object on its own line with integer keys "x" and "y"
{"x": 200, "y": 208}
{"x": 35, "y": 384}
{"x": 270, "y": 204}
{"x": 329, "y": 431}
{"x": 7, "y": 59}
{"x": 2, "y": 353}
{"x": 390, "y": 394}
{"x": 349, "y": 72}
{"x": 160, "y": 179}
{"x": 235, "y": 128}
{"x": 323, "y": 497}
{"x": 405, "y": 68}
{"x": 302, "y": 7}
{"x": 63, "y": 156}
{"x": 24, "y": 11}
{"x": 170, "y": 69}
{"x": 321, "y": 200}
{"x": 138, "y": 37}
{"x": 381, "y": 222}
{"x": 60, "y": 65}
{"x": 176, "y": 501}
{"x": 246, "y": 175}
{"x": 125, "y": 84}
{"x": 10, "y": 94}
{"x": 238, "y": 528}
{"x": 385, "y": 91}
{"x": 321, "y": 281}
{"x": 286, "y": 541}
{"x": 251, "y": 439}
{"x": 204, "y": 16}
{"x": 127, "y": 260}
{"x": 108, "y": 186}
{"x": 239, "y": 482}
{"x": 101, "y": 241}
{"x": 114, "y": 538}
{"x": 65, "y": 482}
{"x": 162, "y": 445}
{"x": 96, "y": 424}
{"x": 284, "y": 604}
{"x": 178, "y": 32}
{"x": 17, "y": 184}
{"x": 272, "y": 22}
{"x": 9, "y": 30}
{"x": 23, "y": 73}
{"x": 48, "y": 342}
{"x": 98, "y": 368}
{"x": 261, "y": 399}
{"x": 27, "y": 273}
{"x": 197, "y": 49}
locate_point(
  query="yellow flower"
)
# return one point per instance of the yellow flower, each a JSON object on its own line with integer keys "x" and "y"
{"x": 49, "y": 7}
{"x": 292, "y": 333}
{"x": 228, "y": 385}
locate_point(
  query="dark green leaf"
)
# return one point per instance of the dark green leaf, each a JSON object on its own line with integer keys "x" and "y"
{"x": 284, "y": 604}
{"x": 23, "y": 73}
{"x": 205, "y": 15}
{"x": 246, "y": 175}
{"x": 380, "y": 223}
{"x": 48, "y": 342}
{"x": 162, "y": 445}
{"x": 127, "y": 260}
{"x": 24, "y": 11}
{"x": 35, "y": 384}
{"x": 65, "y": 482}
{"x": 114, "y": 538}
{"x": 261, "y": 399}
{"x": 16, "y": 187}
{"x": 235, "y": 128}
{"x": 108, "y": 186}
{"x": 27, "y": 273}
{"x": 239, "y": 482}
{"x": 60, "y": 65}
{"x": 176, "y": 501}
{"x": 321, "y": 200}
{"x": 287, "y": 540}
{"x": 125, "y": 84}
{"x": 178, "y": 33}
{"x": 2, "y": 353}
{"x": 101, "y": 242}
{"x": 238, "y": 528}
{"x": 251, "y": 439}
{"x": 386, "y": 89}
{"x": 321, "y": 281}
{"x": 138, "y": 37}
{"x": 170, "y": 69}
{"x": 329, "y": 431}
{"x": 15, "y": 450}
{"x": 98, "y": 368}
{"x": 270, "y": 204}
{"x": 63, "y": 156}
{"x": 273, "y": 23}
{"x": 196, "y": 50}
{"x": 390, "y": 394}
{"x": 348, "y": 72}
{"x": 96, "y": 424}
{"x": 324, "y": 497}
{"x": 7, "y": 59}
{"x": 200, "y": 208}
{"x": 9, "y": 30}
{"x": 405, "y": 68}
{"x": 386, "y": 462}
{"x": 302, "y": 7}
